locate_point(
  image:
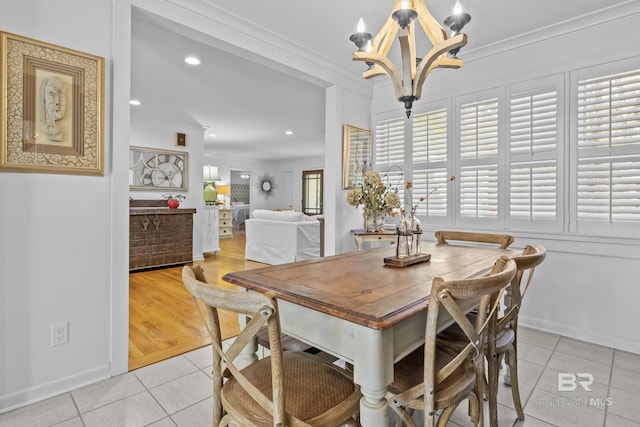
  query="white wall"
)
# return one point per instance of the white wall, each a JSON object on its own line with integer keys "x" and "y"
{"x": 344, "y": 107}
{"x": 55, "y": 250}
{"x": 587, "y": 287}
{"x": 289, "y": 179}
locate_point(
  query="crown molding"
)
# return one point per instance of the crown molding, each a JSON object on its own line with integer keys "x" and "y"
{"x": 612, "y": 13}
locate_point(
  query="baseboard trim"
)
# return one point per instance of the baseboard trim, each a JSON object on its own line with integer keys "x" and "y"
{"x": 27, "y": 396}
{"x": 580, "y": 334}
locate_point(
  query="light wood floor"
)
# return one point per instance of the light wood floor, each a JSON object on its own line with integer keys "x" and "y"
{"x": 163, "y": 320}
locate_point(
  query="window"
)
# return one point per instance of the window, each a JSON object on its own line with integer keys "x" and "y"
{"x": 312, "y": 192}
{"x": 534, "y": 132}
{"x": 513, "y": 148}
{"x": 478, "y": 149}
{"x": 608, "y": 152}
{"x": 389, "y": 143}
{"x": 390, "y": 154}
{"x": 430, "y": 153}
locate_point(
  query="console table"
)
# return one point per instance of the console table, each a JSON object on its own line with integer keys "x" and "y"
{"x": 362, "y": 236}
{"x": 159, "y": 237}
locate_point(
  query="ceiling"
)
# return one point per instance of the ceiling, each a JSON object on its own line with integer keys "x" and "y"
{"x": 249, "y": 106}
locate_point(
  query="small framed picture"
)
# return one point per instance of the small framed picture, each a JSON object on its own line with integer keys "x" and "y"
{"x": 181, "y": 139}
{"x": 51, "y": 120}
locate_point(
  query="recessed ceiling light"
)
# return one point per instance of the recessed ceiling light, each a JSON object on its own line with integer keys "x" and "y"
{"x": 192, "y": 60}
{"x": 289, "y": 132}
{"x": 135, "y": 102}
{"x": 212, "y": 135}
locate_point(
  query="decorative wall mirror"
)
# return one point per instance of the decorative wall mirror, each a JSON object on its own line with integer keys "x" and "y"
{"x": 356, "y": 158}
{"x": 151, "y": 169}
{"x": 265, "y": 185}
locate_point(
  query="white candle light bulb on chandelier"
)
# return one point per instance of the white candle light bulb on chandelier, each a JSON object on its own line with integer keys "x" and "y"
{"x": 404, "y": 4}
{"x": 361, "y": 26}
{"x": 457, "y": 9}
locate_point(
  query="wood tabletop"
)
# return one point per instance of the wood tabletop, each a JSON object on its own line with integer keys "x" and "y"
{"x": 358, "y": 287}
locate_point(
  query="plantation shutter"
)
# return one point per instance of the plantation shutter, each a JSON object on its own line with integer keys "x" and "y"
{"x": 389, "y": 151}
{"x": 389, "y": 146}
{"x": 608, "y": 141}
{"x": 430, "y": 177}
{"x": 478, "y": 184}
{"x": 533, "y": 143}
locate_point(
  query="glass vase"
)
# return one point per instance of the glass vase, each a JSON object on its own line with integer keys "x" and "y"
{"x": 373, "y": 220}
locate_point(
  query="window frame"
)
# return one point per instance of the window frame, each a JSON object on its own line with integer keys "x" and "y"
{"x": 587, "y": 226}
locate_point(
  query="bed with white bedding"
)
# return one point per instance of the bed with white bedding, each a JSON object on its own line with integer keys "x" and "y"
{"x": 240, "y": 213}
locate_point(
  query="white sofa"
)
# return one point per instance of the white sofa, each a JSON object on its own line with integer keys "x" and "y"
{"x": 280, "y": 237}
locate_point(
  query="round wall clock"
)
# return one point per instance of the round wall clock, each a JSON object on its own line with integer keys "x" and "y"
{"x": 266, "y": 184}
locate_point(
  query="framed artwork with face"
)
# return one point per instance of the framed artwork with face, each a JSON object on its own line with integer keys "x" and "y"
{"x": 52, "y": 120}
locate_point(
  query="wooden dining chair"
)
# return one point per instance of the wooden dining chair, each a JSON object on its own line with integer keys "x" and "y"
{"x": 433, "y": 377}
{"x": 289, "y": 343}
{"x": 285, "y": 389}
{"x": 502, "y": 342}
{"x": 506, "y": 340}
{"x": 444, "y": 236}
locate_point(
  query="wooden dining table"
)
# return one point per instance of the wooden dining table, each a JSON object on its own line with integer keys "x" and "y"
{"x": 358, "y": 309}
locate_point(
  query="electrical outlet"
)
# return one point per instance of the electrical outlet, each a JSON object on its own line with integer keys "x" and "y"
{"x": 59, "y": 333}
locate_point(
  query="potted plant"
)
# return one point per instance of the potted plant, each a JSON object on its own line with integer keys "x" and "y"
{"x": 173, "y": 200}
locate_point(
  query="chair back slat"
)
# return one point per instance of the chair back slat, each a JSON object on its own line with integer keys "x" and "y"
{"x": 504, "y": 240}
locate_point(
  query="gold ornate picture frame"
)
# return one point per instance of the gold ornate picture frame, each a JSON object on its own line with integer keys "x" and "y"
{"x": 357, "y": 155}
{"x": 51, "y": 115}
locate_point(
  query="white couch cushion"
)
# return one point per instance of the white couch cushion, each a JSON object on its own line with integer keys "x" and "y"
{"x": 287, "y": 216}
{"x": 280, "y": 242}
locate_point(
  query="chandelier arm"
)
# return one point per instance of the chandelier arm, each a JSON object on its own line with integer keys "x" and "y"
{"x": 383, "y": 66}
{"x": 434, "y": 59}
{"x": 442, "y": 62}
{"x": 375, "y": 71}
{"x": 383, "y": 41}
{"x": 431, "y": 27}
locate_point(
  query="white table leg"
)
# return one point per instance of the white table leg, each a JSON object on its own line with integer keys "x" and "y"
{"x": 373, "y": 371}
{"x": 248, "y": 355}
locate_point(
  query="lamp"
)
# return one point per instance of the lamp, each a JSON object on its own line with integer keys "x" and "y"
{"x": 408, "y": 81}
{"x": 210, "y": 174}
{"x": 224, "y": 190}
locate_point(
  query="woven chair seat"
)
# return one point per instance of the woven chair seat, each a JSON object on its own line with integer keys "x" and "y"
{"x": 409, "y": 372}
{"x": 307, "y": 395}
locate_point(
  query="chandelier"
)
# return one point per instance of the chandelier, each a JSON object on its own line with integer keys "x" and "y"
{"x": 408, "y": 80}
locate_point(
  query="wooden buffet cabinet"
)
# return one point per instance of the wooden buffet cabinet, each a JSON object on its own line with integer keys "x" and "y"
{"x": 159, "y": 236}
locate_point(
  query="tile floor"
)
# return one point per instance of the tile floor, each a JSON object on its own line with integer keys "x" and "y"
{"x": 177, "y": 392}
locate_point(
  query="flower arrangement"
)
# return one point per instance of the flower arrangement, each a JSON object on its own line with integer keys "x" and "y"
{"x": 375, "y": 197}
